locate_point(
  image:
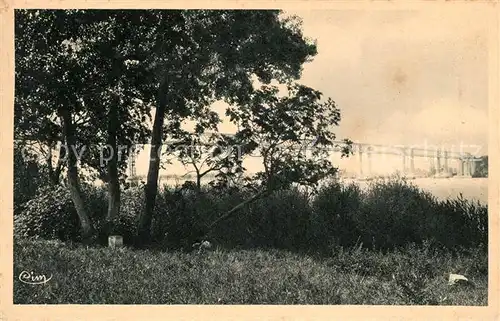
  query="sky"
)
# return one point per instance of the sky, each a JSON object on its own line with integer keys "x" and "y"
{"x": 399, "y": 77}
{"x": 402, "y": 77}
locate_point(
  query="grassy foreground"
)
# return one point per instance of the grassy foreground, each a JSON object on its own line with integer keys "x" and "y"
{"x": 415, "y": 275}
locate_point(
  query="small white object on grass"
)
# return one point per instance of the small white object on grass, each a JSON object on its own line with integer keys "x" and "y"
{"x": 115, "y": 241}
{"x": 204, "y": 245}
{"x": 456, "y": 279}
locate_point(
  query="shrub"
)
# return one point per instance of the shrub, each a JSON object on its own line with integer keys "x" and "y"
{"x": 332, "y": 221}
{"x": 395, "y": 213}
{"x": 459, "y": 223}
{"x": 388, "y": 215}
{"x": 236, "y": 230}
{"x": 181, "y": 215}
{"x": 51, "y": 214}
{"x": 392, "y": 214}
{"x": 278, "y": 221}
{"x": 132, "y": 204}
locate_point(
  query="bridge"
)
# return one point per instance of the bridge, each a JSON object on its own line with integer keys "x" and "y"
{"x": 439, "y": 158}
{"x": 441, "y": 162}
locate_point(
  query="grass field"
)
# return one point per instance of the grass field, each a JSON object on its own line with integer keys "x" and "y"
{"x": 357, "y": 276}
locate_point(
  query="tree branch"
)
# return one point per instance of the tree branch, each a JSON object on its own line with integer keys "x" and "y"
{"x": 235, "y": 209}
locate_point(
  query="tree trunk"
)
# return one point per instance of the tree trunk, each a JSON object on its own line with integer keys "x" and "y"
{"x": 198, "y": 181}
{"x": 55, "y": 174}
{"x": 144, "y": 228}
{"x": 72, "y": 176}
{"x": 113, "y": 183}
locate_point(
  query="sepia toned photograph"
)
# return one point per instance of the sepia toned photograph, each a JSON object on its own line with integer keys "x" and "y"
{"x": 251, "y": 157}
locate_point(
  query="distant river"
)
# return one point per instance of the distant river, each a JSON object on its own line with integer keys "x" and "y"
{"x": 442, "y": 188}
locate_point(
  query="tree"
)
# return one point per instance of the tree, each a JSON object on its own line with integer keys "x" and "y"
{"x": 47, "y": 89}
{"x": 293, "y": 135}
{"x": 215, "y": 55}
{"x": 125, "y": 96}
{"x": 35, "y": 123}
{"x": 97, "y": 72}
{"x": 205, "y": 150}
{"x": 481, "y": 167}
{"x": 74, "y": 69}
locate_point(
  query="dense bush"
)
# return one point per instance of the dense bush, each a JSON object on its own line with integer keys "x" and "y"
{"x": 387, "y": 215}
{"x": 280, "y": 220}
{"x": 393, "y": 213}
{"x": 179, "y": 216}
{"x": 333, "y": 213}
{"x": 458, "y": 222}
{"x": 51, "y": 214}
{"x": 132, "y": 203}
